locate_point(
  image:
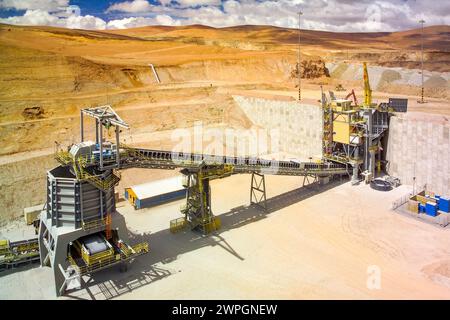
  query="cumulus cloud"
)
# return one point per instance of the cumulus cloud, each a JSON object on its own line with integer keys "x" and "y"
{"x": 45, "y": 5}
{"x": 32, "y": 17}
{"x": 70, "y": 18}
{"x": 131, "y": 6}
{"x": 195, "y": 3}
{"x": 134, "y": 22}
{"x": 330, "y": 15}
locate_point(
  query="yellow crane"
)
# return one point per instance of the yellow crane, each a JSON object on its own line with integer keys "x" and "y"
{"x": 367, "y": 90}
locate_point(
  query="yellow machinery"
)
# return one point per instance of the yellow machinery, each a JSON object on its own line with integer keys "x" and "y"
{"x": 94, "y": 248}
{"x": 197, "y": 211}
{"x": 352, "y": 132}
{"x": 4, "y": 247}
{"x": 16, "y": 253}
{"x": 94, "y": 252}
{"x": 367, "y": 89}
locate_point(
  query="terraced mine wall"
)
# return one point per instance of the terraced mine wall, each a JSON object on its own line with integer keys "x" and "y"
{"x": 22, "y": 185}
{"x": 381, "y": 76}
{"x": 419, "y": 146}
{"x": 299, "y": 125}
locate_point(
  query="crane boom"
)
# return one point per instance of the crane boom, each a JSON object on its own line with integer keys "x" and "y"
{"x": 367, "y": 90}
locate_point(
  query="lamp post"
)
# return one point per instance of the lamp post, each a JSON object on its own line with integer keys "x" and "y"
{"x": 299, "y": 59}
{"x": 421, "y": 38}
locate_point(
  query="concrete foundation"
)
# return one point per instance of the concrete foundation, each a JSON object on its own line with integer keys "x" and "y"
{"x": 299, "y": 125}
{"x": 419, "y": 146}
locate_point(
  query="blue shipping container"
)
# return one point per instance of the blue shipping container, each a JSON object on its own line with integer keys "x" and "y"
{"x": 421, "y": 208}
{"x": 431, "y": 209}
{"x": 444, "y": 204}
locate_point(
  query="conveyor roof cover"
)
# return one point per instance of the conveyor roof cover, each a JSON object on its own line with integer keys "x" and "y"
{"x": 158, "y": 187}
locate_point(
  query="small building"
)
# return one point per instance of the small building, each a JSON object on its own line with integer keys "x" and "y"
{"x": 155, "y": 193}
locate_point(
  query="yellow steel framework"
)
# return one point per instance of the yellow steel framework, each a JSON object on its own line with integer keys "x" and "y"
{"x": 367, "y": 89}
{"x": 197, "y": 211}
{"x": 126, "y": 253}
{"x": 79, "y": 165}
{"x": 13, "y": 253}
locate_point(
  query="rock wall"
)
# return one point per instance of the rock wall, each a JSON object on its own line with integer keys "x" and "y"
{"x": 299, "y": 125}
{"x": 23, "y": 184}
{"x": 419, "y": 146}
{"x": 381, "y": 76}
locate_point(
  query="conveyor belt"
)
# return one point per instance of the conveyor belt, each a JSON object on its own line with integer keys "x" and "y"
{"x": 157, "y": 159}
{"x": 18, "y": 253}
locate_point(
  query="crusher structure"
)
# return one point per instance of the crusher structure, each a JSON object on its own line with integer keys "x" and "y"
{"x": 80, "y": 231}
{"x": 353, "y": 132}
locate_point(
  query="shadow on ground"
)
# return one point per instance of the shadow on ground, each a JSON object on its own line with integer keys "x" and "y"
{"x": 154, "y": 266}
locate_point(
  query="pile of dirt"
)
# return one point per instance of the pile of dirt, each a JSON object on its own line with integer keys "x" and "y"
{"x": 311, "y": 69}
{"x": 32, "y": 113}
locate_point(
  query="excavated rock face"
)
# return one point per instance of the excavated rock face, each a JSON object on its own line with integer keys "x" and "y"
{"x": 311, "y": 69}
{"x": 31, "y": 113}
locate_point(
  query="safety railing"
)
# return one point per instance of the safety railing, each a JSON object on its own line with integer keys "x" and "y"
{"x": 99, "y": 182}
{"x": 125, "y": 249}
{"x": 95, "y": 266}
{"x": 178, "y": 224}
{"x": 93, "y": 224}
{"x": 141, "y": 248}
{"x": 63, "y": 157}
{"x": 109, "y": 260}
{"x": 24, "y": 245}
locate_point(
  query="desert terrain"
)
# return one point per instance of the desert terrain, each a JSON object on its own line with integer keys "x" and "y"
{"x": 300, "y": 248}
{"x": 48, "y": 74}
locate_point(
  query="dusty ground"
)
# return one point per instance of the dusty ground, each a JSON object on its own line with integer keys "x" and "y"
{"x": 315, "y": 250}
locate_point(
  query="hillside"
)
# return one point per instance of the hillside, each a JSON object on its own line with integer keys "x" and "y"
{"x": 48, "y": 73}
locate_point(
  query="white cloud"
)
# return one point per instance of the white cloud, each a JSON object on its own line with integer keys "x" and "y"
{"x": 45, "y": 5}
{"x": 131, "y": 6}
{"x": 44, "y": 18}
{"x": 141, "y": 6}
{"x": 330, "y": 15}
{"x": 83, "y": 22}
{"x": 32, "y": 17}
{"x": 134, "y": 22}
{"x": 194, "y": 3}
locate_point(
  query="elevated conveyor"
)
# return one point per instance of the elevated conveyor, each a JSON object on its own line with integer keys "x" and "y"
{"x": 13, "y": 254}
{"x": 158, "y": 159}
{"x": 199, "y": 169}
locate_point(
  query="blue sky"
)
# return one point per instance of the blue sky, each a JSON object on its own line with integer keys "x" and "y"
{"x": 330, "y": 15}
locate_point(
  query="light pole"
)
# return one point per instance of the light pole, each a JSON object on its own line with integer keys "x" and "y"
{"x": 299, "y": 60}
{"x": 422, "y": 22}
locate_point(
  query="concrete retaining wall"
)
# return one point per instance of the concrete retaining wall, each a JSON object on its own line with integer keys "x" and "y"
{"x": 419, "y": 145}
{"x": 299, "y": 125}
